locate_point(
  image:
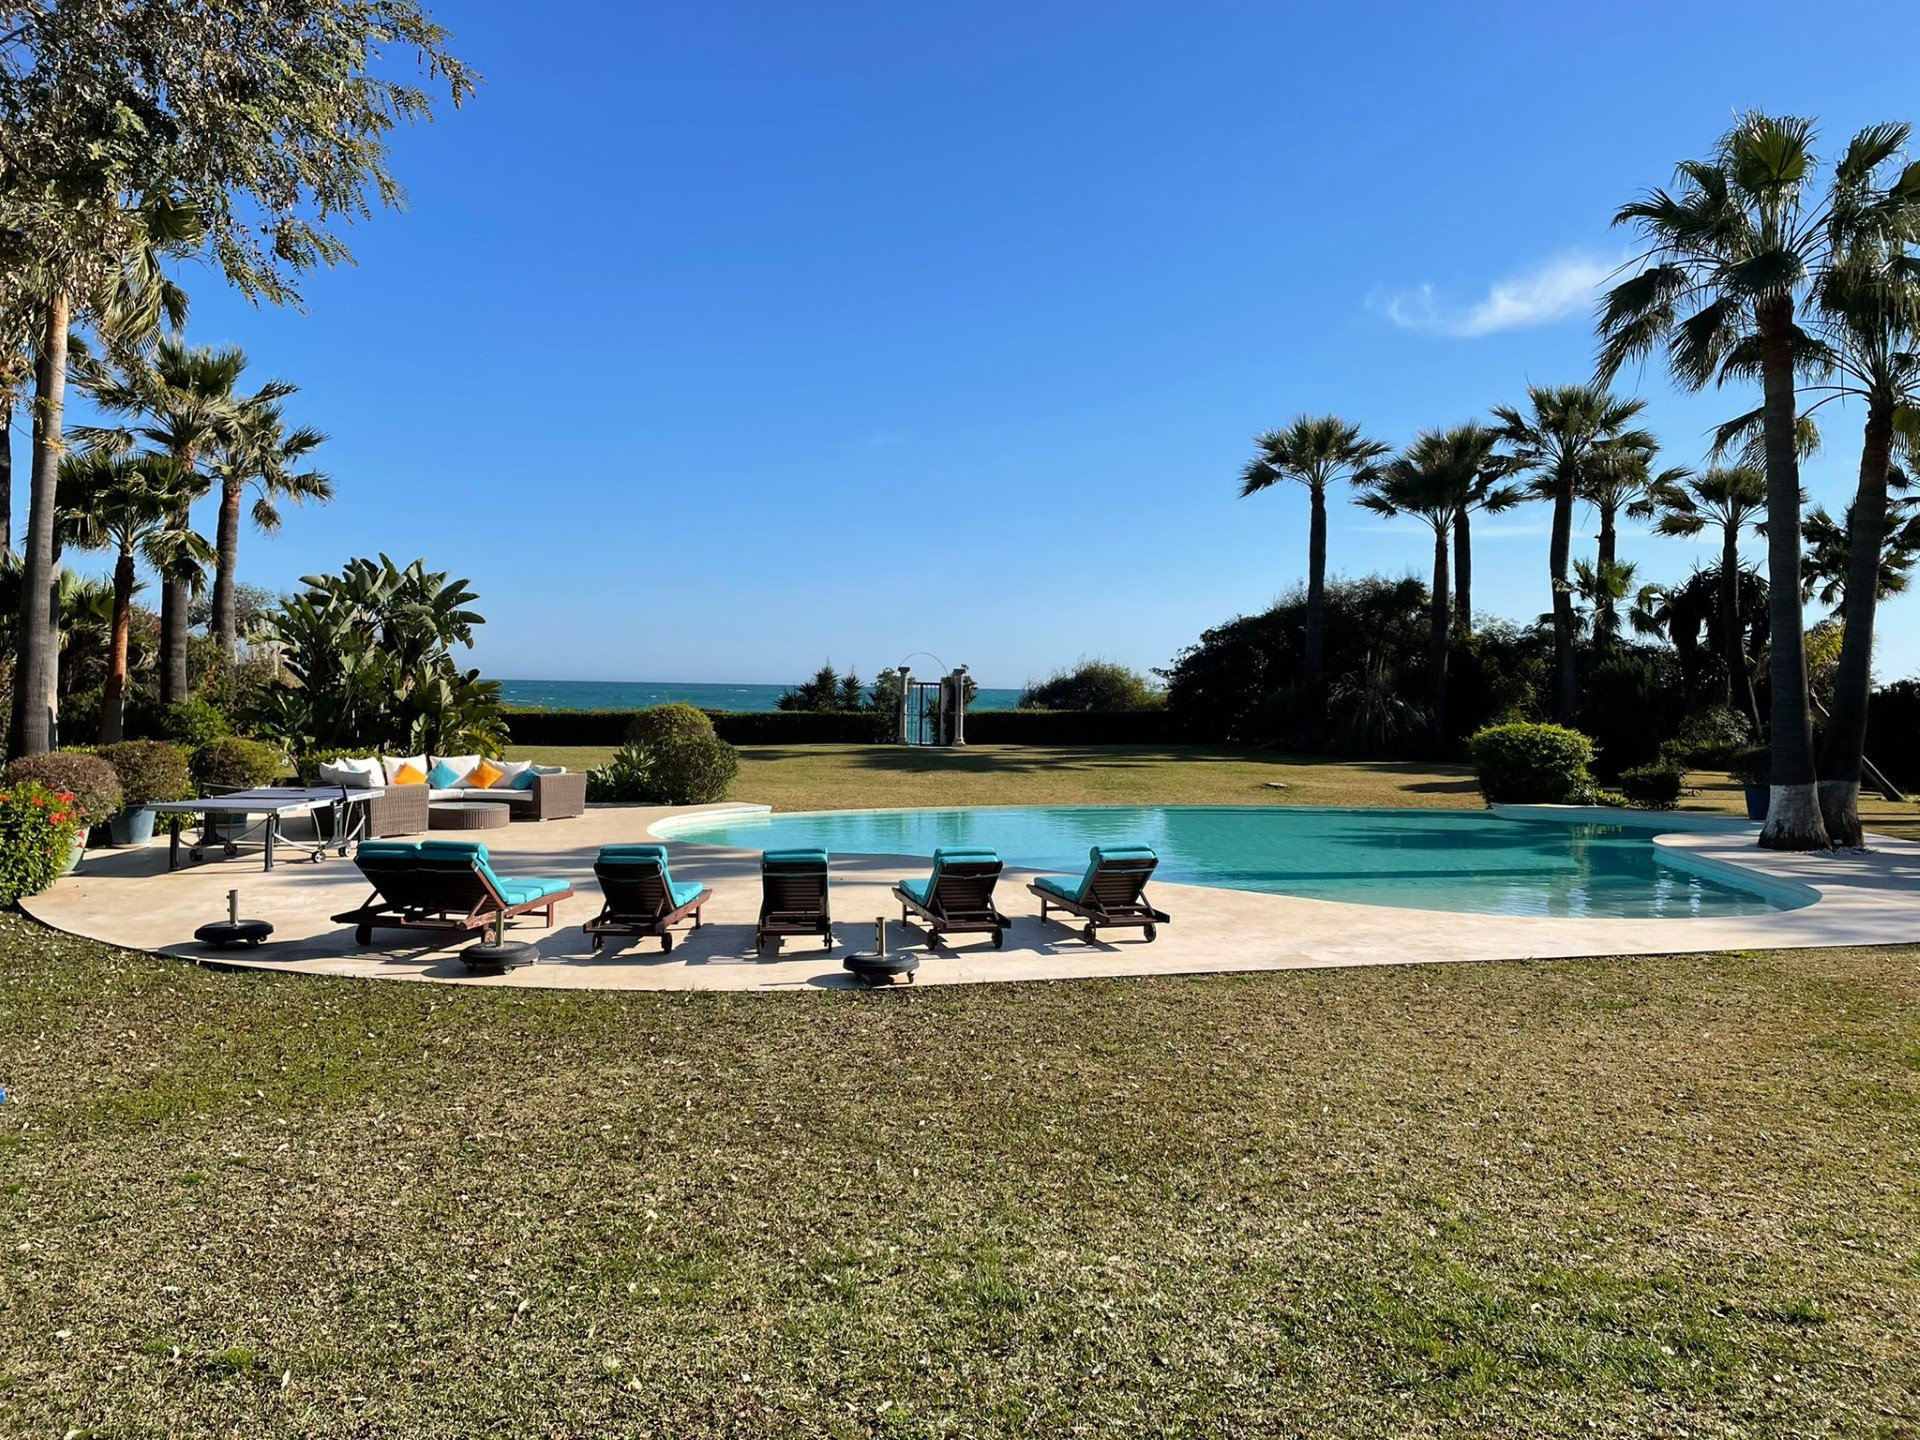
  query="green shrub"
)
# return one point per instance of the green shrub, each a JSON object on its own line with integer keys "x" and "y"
{"x": 1653, "y": 787}
{"x": 91, "y": 781}
{"x": 1711, "y": 738}
{"x": 661, "y": 722}
{"x": 1094, "y": 685}
{"x": 232, "y": 763}
{"x": 1524, "y": 764}
{"x": 623, "y": 779}
{"x": 691, "y": 769}
{"x": 149, "y": 770}
{"x": 193, "y": 722}
{"x": 37, "y": 829}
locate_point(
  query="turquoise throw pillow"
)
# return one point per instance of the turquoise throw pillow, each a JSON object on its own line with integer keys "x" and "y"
{"x": 443, "y": 776}
{"x": 522, "y": 781}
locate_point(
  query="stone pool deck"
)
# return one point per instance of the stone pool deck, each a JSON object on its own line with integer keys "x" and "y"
{"x": 128, "y": 898}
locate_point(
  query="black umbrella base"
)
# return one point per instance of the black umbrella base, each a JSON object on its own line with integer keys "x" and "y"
{"x": 223, "y": 933}
{"x": 871, "y": 969}
{"x": 486, "y": 959}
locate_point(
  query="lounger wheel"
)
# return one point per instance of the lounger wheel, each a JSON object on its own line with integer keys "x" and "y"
{"x": 666, "y": 942}
{"x": 232, "y": 850}
{"x": 598, "y": 941}
{"x": 363, "y": 935}
{"x": 1153, "y": 932}
{"x": 999, "y": 939}
{"x": 1089, "y": 934}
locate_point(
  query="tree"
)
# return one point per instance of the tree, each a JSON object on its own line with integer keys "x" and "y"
{"x": 1314, "y": 450}
{"x": 1730, "y": 254}
{"x": 1728, "y": 499}
{"x": 1827, "y": 570}
{"x": 1093, "y": 685}
{"x": 1484, "y": 491}
{"x": 266, "y": 121}
{"x": 126, "y": 504}
{"x": 1432, "y": 479}
{"x": 1564, "y": 439}
{"x": 193, "y": 411}
{"x": 258, "y": 451}
{"x": 825, "y": 691}
{"x": 1622, "y": 480}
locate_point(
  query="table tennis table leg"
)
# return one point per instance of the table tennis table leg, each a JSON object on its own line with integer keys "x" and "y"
{"x": 272, "y": 834}
{"x": 173, "y": 846}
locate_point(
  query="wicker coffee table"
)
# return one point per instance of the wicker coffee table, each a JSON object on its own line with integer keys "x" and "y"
{"x": 468, "y": 815}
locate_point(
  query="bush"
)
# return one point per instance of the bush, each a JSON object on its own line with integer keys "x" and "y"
{"x": 663, "y": 722}
{"x": 623, "y": 779}
{"x": 89, "y": 780}
{"x": 236, "y": 764}
{"x": 1653, "y": 787}
{"x": 149, "y": 770}
{"x": 1094, "y": 685}
{"x": 691, "y": 769}
{"x": 193, "y": 722}
{"x": 1713, "y": 737}
{"x": 37, "y": 828}
{"x": 1523, "y": 764}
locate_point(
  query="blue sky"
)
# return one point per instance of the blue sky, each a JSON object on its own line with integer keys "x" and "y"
{"x": 719, "y": 340}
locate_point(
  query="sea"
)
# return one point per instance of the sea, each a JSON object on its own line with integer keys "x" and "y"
{"x": 639, "y": 694}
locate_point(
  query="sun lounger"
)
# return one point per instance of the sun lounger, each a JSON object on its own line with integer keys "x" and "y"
{"x": 793, "y": 897}
{"x": 642, "y": 897}
{"x": 443, "y": 885}
{"x": 1111, "y": 893}
{"x": 957, "y": 897}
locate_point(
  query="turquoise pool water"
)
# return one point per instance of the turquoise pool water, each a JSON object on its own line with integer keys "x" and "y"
{"x": 1424, "y": 859}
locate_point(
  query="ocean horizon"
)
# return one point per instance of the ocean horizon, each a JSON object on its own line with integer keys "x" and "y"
{"x": 708, "y": 695}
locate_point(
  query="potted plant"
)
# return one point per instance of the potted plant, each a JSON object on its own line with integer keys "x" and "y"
{"x": 1752, "y": 771}
{"x": 150, "y": 771}
{"x": 91, "y": 781}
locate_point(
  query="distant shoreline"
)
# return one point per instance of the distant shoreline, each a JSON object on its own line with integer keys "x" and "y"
{"x": 708, "y": 695}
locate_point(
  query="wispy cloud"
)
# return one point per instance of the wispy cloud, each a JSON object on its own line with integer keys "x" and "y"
{"x": 1563, "y": 286}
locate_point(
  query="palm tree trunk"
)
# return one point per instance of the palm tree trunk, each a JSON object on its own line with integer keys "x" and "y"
{"x": 173, "y": 640}
{"x": 1846, "y": 739}
{"x": 1732, "y": 650}
{"x": 1566, "y": 699}
{"x": 1437, "y": 646}
{"x": 1793, "y": 814}
{"x": 36, "y": 682}
{"x": 1606, "y": 620}
{"x": 6, "y": 472}
{"x": 1313, "y": 732}
{"x": 113, "y": 704}
{"x": 228, "y": 543}
{"x": 1462, "y": 573}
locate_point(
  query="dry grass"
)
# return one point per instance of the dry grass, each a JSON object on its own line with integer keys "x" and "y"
{"x": 1660, "y": 1197}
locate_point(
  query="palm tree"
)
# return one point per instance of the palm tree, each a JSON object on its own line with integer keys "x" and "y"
{"x": 262, "y": 453}
{"x": 1623, "y": 481}
{"x": 1603, "y": 585}
{"x": 187, "y": 396}
{"x": 126, "y": 504}
{"x": 1432, "y": 479}
{"x": 1826, "y": 571}
{"x": 1314, "y": 450}
{"x": 1485, "y": 491}
{"x": 1562, "y": 439}
{"x": 1729, "y": 257}
{"x": 1728, "y": 499}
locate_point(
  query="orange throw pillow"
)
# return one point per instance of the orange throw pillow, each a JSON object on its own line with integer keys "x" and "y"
{"x": 409, "y": 775}
{"x": 484, "y": 775}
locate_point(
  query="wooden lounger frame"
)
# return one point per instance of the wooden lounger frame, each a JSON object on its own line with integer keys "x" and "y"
{"x": 626, "y": 914}
{"x": 959, "y": 902}
{"x": 470, "y": 905}
{"x": 1116, "y": 898}
{"x": 794, "y": 900}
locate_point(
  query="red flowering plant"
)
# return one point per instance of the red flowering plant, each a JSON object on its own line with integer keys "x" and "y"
{"x": 38, "y": 826}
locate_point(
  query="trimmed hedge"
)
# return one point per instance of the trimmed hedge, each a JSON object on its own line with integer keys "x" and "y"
{"x": 860, "y": 727}
{"x": 1525, "y": 764}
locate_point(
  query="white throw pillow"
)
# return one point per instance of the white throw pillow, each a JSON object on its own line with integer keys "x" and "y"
{"x": 508, "y": 769}
{"x": 461, "y": 765}
{"x": 391, "y": 764}
{"x": 352, "y": 774}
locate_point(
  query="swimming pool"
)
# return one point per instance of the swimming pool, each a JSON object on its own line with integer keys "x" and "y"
{"x": 1462, "y": 860}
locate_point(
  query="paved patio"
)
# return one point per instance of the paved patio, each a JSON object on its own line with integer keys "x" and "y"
{"x": 127, "y": 897}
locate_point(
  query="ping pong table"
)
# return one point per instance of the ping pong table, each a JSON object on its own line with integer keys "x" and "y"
{"x": 344, "y": 810}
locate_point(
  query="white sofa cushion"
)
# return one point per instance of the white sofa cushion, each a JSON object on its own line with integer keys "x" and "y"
{"x": 480, "y": 797}
{"x": 390, "y": 764}
{"x": 461, "y": 765}
{"x": 508, "y": 769}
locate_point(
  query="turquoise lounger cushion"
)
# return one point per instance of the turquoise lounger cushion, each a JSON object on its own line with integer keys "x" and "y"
{"x": 525, "y": 892}
{"x": 1065, "y": 889}
{"x": 684, "y": 892}
{"x": 387, "y": 852}
{"x": 634, "y": 852}
{"x": 456, "y": 852}
{"x": 793, "y": 857}
{"x": 1076, "y": 890}
{"x": 964, "y": 852}
{"x": 918, "y": 889}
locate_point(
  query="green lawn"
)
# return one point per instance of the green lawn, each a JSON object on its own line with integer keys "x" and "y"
{"x": 1617, "y": 1198}
{"x": 1600, "y": 1198}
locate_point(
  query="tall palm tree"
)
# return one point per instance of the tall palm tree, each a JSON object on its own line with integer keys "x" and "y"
{"x": 1727, "y": 499}
{"x": 1486, "y": 491}
{"x": 188, "y": 398}
{"x": 126, "y": 504}
{"x": 1827, "y": 570}
{"x": 261, "y": 453}
{"x": 1315, "y": 450}
{"x": 1562, "y": 438}
{"x": 1432, "y": 479}
{"x": 1730, "y": 255}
